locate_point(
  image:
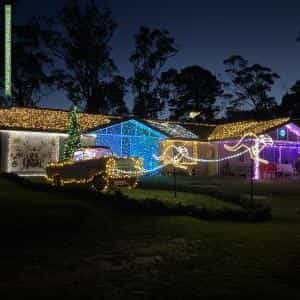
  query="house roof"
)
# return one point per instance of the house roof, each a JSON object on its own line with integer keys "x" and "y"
{"x": 238, "y": 129}
{"x": 50, "y": 120}
{"x": 202, "y": 130}
{"x": 173, "y": 130}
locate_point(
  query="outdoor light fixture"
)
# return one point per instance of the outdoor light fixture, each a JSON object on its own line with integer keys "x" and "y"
{"x": 282, "y": 133}
{"x": 194, "y": 114}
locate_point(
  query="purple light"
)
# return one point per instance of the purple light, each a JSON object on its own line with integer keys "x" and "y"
{"x": 284, "y": 146}
{"x": 293, "y": 128}
{"x": 256, "y": 175}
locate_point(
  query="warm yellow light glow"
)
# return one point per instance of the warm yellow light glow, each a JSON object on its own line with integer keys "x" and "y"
{"x": 174, "y": 155}
{"x": 110, "y": 174}
{"x": 194, "y": 114}
{"x": 238, "y": 129}
{"x": 47, "y": 120}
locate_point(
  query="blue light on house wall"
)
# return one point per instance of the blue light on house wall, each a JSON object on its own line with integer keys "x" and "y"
{"x": 132, "y": 138}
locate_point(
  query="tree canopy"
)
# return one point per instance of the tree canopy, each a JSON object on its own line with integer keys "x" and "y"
{"x": 82, "y": 45}
{"x": 290, "y": 104}
{"x": 192, "y": 90}
{"x": 251, "y": 86}
{"x": 153, "y": 48}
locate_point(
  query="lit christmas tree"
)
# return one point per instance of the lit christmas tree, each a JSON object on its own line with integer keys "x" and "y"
{"x": 72, "y": 143}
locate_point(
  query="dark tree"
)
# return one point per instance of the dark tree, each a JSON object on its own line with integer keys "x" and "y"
{"x": 115, "y": 93}
{"x": 153, "y": 48}
{"x": 31, "y": 63}
{"x": 192, "y": 90}
{"x": 251, "y": 85}
{"x": 83, "y": 49}
{"x": 234, "y": 115}
{"x": 290, "y": 104}
{"x": 168, "y": 86}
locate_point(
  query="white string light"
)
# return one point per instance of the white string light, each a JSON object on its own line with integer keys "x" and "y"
{"x": 138, "y": 172}
{"x": 260, "y": 143}
{"x": 216, "y": 160}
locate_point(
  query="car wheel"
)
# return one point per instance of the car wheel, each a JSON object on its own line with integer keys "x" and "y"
{"x": 99, "y": 183}
{"x": 132, "y": 182}
{"x": 57, "y": 180}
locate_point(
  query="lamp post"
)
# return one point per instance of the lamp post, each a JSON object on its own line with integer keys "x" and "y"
{"x": 174, "y": 182}
{"x": 252, "y": 181}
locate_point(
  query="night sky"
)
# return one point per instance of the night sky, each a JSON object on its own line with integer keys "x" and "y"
{"x": 262, "y": 31}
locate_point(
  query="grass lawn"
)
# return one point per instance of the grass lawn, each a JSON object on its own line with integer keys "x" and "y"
{"x": 74, "y": 246}
{"x": 185, "y": 198}
{"x": 229, "y": 185}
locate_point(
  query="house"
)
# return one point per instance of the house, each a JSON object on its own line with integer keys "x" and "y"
{"x": 30, "y": 138}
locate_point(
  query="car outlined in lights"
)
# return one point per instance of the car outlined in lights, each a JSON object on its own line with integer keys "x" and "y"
{"x": 98, "y": 167}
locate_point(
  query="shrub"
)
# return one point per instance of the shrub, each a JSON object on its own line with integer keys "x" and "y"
{"x": 257, "y": 213}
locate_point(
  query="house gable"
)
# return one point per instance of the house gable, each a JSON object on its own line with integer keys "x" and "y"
{"x": 133, "y": 139}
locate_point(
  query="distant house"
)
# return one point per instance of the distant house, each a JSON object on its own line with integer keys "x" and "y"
{"x": 30, "y": 138}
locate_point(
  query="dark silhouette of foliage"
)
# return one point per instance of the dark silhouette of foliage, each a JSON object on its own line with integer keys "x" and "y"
{"x": 82, "y": 46}
{"x": 115, "y": 93}
{"x": 153, "y": 48}
{"x": 290, "y": 104}
{"x": 31, "y": 63}
{"x": 251, "y": 85}
{"x": 239, "y": 115}
{"x": 193, "y": 89}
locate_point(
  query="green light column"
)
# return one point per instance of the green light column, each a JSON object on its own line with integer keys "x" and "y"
{"x": 8, "y": 37}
